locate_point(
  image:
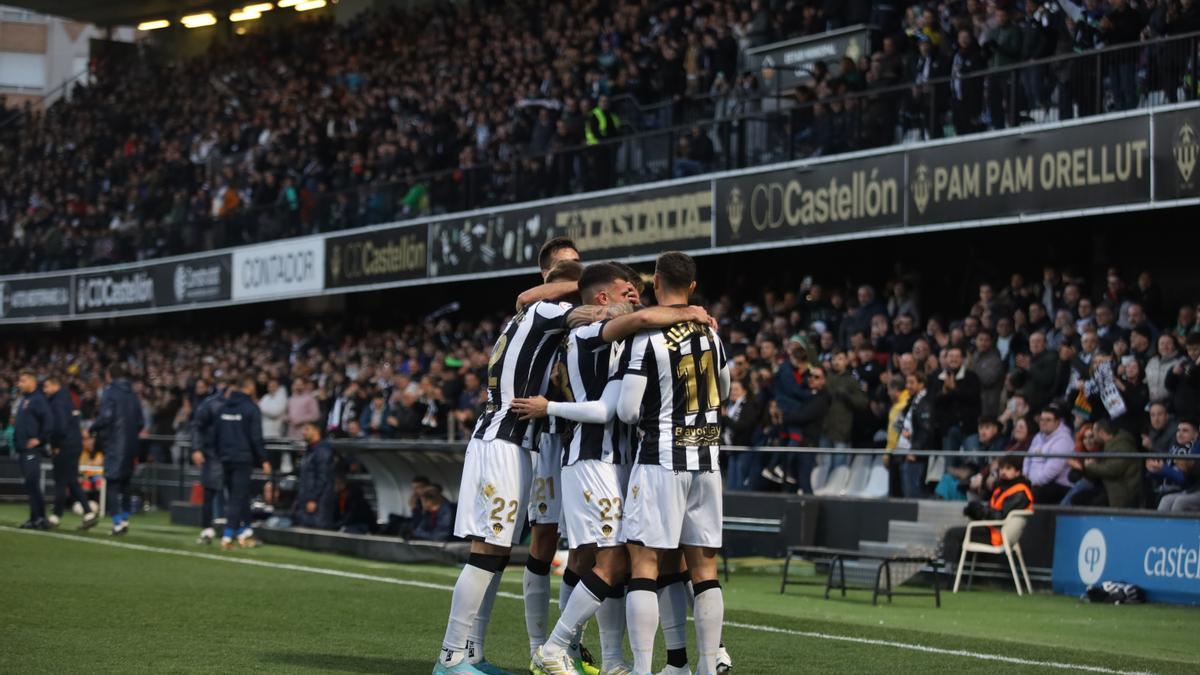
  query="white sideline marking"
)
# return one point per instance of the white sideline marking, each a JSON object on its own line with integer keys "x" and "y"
{"x": 515, "y": 596}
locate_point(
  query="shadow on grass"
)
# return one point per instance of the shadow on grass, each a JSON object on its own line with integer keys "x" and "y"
{"x": 346, "y": 663}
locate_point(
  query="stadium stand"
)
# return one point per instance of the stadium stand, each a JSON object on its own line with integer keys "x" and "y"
{"x": 421, "y": 380}
{"x": 443, "y": 108}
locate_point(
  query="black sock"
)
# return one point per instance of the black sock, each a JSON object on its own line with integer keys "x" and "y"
{"x": 677, "y": 657}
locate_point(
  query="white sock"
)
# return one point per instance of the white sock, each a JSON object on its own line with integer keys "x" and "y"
{"x": 570, "y": 580}
{"x": 584, "y": 602}
{"x": 536, "y": 585}
{"x": 611, "y": 618}
{"x": 469, "y": 591}
{"x": 641, "y": 615}
{"x": 479, "y": 628}
{"x": 672, "y": 606}
{"x": 710, "y": 615}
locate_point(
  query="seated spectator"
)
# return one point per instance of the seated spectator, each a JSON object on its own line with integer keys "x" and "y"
{"x": 1177, "y": 481}
{"x": 375, "y": 418}
{"x": 1011, "y": 493}
{"x": 1049, "y": 476}
{"x": 1084, "y": 491}
{"x": 1122, "y": 478}
{"x": 437, "y": 516}
{"x": 354, "y": 512}
{"x": 1161, "y": 433}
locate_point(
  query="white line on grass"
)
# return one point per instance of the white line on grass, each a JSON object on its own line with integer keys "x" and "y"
{"x": 515, "y": 596}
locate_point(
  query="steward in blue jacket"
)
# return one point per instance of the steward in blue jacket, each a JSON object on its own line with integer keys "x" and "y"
{"x": 32, "y": 430}
{"x": 204, "y": 455}
{"x": 316, "y": 498}
{"x": 118, "y": 424}
{"x": 238, "y": 437}
{"x": 67, "y": 440}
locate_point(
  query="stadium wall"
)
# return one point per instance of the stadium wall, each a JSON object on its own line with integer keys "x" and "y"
{"x": 1117, "y": 163}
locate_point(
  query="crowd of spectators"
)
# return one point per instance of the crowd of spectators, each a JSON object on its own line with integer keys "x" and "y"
{"x": 1046, "y": 365}
{"x": 248, "y": 142}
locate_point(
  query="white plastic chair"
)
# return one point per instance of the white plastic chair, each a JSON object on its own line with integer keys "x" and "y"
{"x": 1011, "y": 529}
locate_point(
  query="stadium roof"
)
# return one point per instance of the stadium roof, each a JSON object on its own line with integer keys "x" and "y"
{"x": 115, "y": 12}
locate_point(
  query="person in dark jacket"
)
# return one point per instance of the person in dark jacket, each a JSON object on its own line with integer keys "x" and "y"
{"x": 966, "y": 89}
{"x": 437, "y": 516}
{"x": 237, "y": 433}
{"x": 1012, "y": 493}
{"x": 1122, "y": 478}
{"x": 956, "y": 395}
{"x": 118, "y": 424}
{"x": 355, "y": 515}
{"x": 32, "y": 431}
{"x": 918, "y": 432}
{"x": 741, "y": 418}
{"x": 316, "y": 504}
{"x": 1122, "y": 25}
{"x": 67, "y": 442}
{"x": 204, "y": 455}
{"x": 792, "y": 391}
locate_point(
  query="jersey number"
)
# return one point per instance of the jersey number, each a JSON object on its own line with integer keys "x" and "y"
{"x": 607, "y": 505}
{"x": 497, "y": 357}
{"x": 499, "y": 505}
{"x": 686, "y": 371}
{"x": 540, "y": 487}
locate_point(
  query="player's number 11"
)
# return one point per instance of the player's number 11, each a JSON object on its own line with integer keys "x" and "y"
{"x": 686, "y": 371}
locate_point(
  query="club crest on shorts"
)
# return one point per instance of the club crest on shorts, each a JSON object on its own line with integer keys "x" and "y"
{"x": 542, "y": 508}
{"x": 634, "y": 491}
{"x": 497, "y": 528}
{"x": 489, "y": 490}
{"x": 606, "y": 530}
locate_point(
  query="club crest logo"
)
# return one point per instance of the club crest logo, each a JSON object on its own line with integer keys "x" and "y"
{"x": 735, "y": 209}
{"x": 606, "y": 530}
{"x": 922, "y": 187}
{"x": 1186, "y": 149}
{"x": 497, "y": 528}
{"x": 542, "y": 508}
{"x": 634, "y": 490}
{"x": 489, "y": 490}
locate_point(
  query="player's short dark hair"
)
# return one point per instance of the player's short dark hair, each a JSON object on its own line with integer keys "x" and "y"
{"x": 117, "y": 371}
{"x": 1012, "y": 462}
{"x": 565, "y": 270}
{"x": 249, "y": 380}
{"x": 421, "y": 479}
{"x": 599, "y": 274}
{"x": 675, "y": 270}
{"x": 53, "y": 377}
{"x": 631, "y": 275}
{"x": 552, "y": 246}
{"x": 1055, "y": 409}
{"x": 1189, "y": 420}
{"x": 231, "y": 379}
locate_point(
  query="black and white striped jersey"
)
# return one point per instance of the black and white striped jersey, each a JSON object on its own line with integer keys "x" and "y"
{"x": 587, "y": 364}
{"x": 518, "y": 368}
{"x": 680, "y": 414}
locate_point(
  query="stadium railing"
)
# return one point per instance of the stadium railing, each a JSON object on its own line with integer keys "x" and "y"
{"x": 745, "y": 132}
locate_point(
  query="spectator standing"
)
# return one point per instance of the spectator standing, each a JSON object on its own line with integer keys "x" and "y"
{"x": 1183, "y": 381}
{"x": 303, "y": 408}
{"x": 989, "y": 368}
{"x": 1122, "y": 25}
{"x": 1161, "y": 432}
{"x": 1003, "y": 42}
{"x": 274, "y": 406}
{"x": 956, "y": 395}
{"x": 1160, "y": 364}
{"x": 847, "y": 398}
{"x": 917, "y": 433}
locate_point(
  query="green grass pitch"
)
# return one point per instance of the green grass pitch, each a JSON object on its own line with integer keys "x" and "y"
{"x": 157, "y": 603}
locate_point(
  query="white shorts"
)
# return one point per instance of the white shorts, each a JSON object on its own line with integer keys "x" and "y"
{"x": 668, "y": 509}
{"x": 493, "y": 492}
{"x": 545, "y": 494}
{"x": 593, "y": 496}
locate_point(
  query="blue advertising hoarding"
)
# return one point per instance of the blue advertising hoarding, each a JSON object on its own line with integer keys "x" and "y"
{"x": 1162, "y": 555}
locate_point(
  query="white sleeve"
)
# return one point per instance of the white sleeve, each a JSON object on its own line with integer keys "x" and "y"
{"x": 589, "y": 412}
{"x": 629, "y": 408}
